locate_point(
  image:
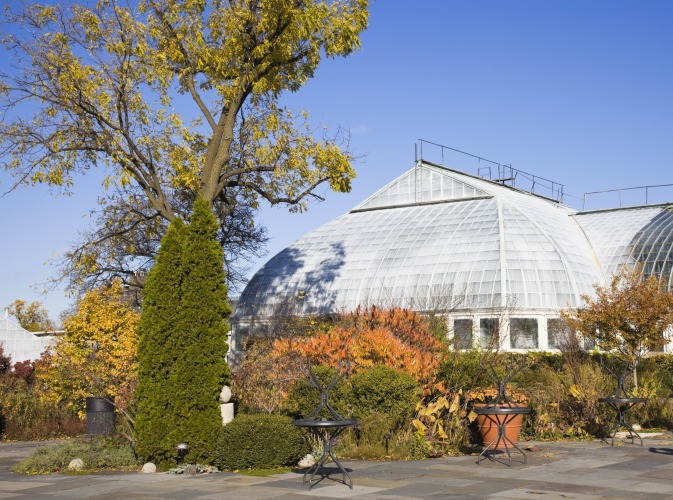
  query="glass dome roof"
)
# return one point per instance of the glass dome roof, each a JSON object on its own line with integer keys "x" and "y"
{"x": 633, "y": 235}
{"x": 434, "y": 236}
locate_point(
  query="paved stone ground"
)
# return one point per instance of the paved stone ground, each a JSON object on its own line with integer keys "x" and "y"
{"x": 566, "y": 470}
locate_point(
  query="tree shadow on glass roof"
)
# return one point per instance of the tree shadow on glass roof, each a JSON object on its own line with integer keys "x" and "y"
{"x": 283, "y": 288}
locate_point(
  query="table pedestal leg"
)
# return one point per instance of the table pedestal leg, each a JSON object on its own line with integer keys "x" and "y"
{"x": 622, "y": 410}
{"x": 327, "y": 451}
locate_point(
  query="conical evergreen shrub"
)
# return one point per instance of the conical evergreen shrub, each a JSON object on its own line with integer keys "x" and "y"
{"x": 158, "y": 350}
{"x": 183, "y": 344}
{"x": 199, "y": 374}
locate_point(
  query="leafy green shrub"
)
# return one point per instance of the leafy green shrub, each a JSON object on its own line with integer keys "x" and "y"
{"x": 461, "y": 370}
{"x": 655, "y": 384}
{"x": 303, "y": 398}
{"x": 381, "y": 397}
{"x": 368, "y": 441}
{"x": 260, "y": 441}
{"x": 566, "y": 399}
{"x": 659, "y": 367}
{"x": 99, "y": 454}
{"x": 386, "y": 391}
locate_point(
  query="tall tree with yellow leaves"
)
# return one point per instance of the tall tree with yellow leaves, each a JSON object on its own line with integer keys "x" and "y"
{"x": 100, "y": 86}
{"x": 33, "y": 317}
{"x": 173, "y": 96}
{"x": 97, "y": 354}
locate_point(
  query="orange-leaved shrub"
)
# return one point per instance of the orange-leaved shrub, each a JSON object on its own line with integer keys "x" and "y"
{"x": 395, "y": 337}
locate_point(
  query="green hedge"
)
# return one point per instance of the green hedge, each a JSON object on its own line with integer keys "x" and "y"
{"x": 386, "y": 391}
{"x": 260, "y": 441}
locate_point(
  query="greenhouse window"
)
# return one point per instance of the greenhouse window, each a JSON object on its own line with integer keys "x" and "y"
{"x": 462, "y": 334}
{"x": 523, "y": 333}
{"x": 488, "y": 333}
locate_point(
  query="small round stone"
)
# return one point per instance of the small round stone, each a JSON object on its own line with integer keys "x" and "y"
{"x": 76, "y": 464}
{"x": 149, "y": 468}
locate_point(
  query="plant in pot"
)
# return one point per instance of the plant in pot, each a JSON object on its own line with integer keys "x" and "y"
{"x": 498, "y": 411}
{"x": 485, "y": 397}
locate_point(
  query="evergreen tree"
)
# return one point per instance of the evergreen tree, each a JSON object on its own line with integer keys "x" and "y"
{"x": 158, "y": 350}
{"x": 200, "y": 372}
{"x": 183, "y": 344}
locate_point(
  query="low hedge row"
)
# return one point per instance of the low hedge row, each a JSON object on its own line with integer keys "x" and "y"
{"x": 259, "y": 441}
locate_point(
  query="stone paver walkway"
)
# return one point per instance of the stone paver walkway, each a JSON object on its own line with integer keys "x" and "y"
{"x": 566, "y": 470}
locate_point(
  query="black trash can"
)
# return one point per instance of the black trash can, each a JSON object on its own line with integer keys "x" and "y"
{"x": 100, "y": 416}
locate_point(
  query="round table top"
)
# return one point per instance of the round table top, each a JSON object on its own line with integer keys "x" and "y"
{"x": 500, "y": 410}
{"x": 622, "y": 401}
{"x": 326, "y": 423}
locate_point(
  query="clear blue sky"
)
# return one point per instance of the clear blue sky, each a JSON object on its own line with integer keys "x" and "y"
{"x": 578, "y": 91}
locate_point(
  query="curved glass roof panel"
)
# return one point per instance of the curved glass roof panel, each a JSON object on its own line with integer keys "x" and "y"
{"x": 433, "y": 238}
{"x": 633, "y": 235}
{"x": 421, "y": 185}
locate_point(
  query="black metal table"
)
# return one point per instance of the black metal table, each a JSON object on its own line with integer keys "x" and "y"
{"x": 327, "y": 430}
{"x": 622, "y": 407}
{"x": 500, "y": 416}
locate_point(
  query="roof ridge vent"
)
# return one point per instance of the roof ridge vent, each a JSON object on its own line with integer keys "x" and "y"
{"x": 423, "y": 184}
{"x": 493, "y": 171}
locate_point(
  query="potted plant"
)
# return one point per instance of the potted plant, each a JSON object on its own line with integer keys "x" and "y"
{"x": 498, "y": 411}
{"x": 487, "y": 423}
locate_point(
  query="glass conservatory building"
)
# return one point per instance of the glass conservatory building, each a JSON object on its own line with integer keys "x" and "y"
{"x": 21, "y": 344}
{"x": 496, "y": 260}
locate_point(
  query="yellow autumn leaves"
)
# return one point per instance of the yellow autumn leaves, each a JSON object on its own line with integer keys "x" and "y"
{"x": 97, "y": 354}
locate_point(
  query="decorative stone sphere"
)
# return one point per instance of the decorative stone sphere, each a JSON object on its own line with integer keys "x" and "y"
{"x": 76, "y": 464}
{"x": 149, "y": 468}
{"x": 225, "y": 395}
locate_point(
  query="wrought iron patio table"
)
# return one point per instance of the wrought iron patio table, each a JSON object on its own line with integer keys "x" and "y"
{"x": 500, "y": 416}
{"x": 622, "y": 407}
{"x": 328, "y": 430}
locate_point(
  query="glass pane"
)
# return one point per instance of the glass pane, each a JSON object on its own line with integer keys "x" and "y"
{"x": 523, "y": 333}
{"x": 488, "y": 333}
{"x": 462, "y": 333}
{"x": 589, "y": 345}
{"x": 556, "y": 332}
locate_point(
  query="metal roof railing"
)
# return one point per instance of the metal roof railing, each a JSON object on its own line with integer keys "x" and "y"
{"x": 633, "y": 196}
{"x": 502, "y": 173}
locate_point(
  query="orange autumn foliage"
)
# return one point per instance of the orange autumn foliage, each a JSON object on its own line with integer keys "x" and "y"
{"x": 395, "y": 337}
